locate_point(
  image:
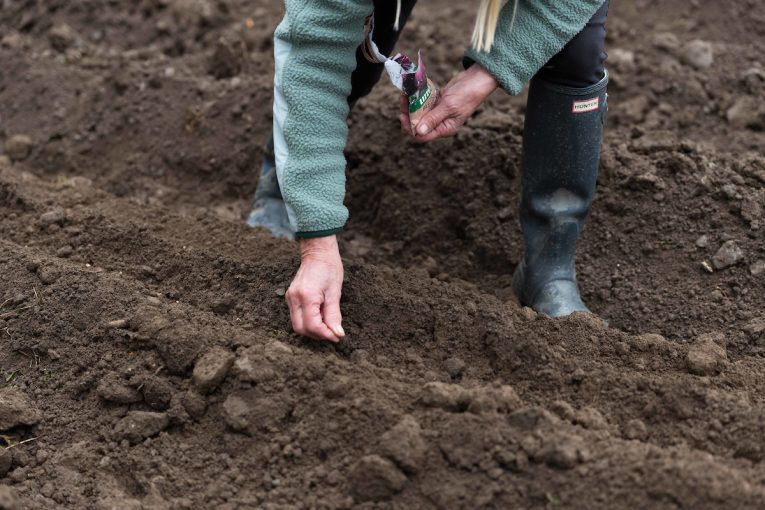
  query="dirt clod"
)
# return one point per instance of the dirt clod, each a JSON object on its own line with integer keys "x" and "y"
{"x": 373, "y": 478}
{"x": 212, "y": 368}
{"x": 9, "y": 499}
{"x": 115, "y": 389}
{"x": 404, "y": 444}
{"x": 18, "y": 147}
{"x": 62, "y": 36}
{"x": 707, "y": 356}
{"x": 138, "y": 425}
{"x": 150, "y": 163}
{"x": 16, "y": 410}
{"x": 6, "y": 461}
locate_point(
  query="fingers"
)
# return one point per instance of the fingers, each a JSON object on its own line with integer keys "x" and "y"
{"x": 306, "y": 315}
{"x": 447, "y": 128}
{"x": 313, "y": 324}
{"x": 332, "y": 316}
{"x": 404, "y": 116}
{"x": 433, "y": 119}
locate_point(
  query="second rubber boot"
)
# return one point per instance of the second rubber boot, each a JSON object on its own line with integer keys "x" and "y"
{"x": 561, "y": 152}
{"x": 268, "y": 208}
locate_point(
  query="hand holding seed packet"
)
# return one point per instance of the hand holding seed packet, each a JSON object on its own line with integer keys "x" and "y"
{"x": 408, "y": 77}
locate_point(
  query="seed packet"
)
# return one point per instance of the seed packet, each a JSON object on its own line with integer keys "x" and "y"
{"x": 407, "y": 76}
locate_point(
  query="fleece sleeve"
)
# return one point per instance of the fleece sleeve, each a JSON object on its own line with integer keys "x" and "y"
{"x": 315, "y": 54}
{"x": 540, "y": 30}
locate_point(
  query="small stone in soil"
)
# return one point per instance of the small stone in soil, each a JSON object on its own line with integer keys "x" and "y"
{"x": 404, "y": 444}
{"x": 698, "y": 54}
{"x": 757, "y": 268}
{"x": 703, "y": 241}
{"x": 18, "y": 147}
{"x": 138, "y": 425}
{"x": 212, "y": 368}
{"x": 374, "y": 478}
{"x": 729, "y": 254}
{"x": 16, "y": 410}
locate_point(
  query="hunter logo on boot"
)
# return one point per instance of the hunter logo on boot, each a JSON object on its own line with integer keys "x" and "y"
{"x": 586, "y": 106}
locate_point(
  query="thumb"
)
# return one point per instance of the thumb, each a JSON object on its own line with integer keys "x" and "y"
{"x": 433, "y": 118}
{"x": 332, "y": 316}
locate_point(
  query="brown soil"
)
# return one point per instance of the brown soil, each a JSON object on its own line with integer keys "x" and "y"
{"x": 147, "y": 360}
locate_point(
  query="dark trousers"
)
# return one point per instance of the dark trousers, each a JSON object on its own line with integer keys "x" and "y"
{"x": 579, "y": 64}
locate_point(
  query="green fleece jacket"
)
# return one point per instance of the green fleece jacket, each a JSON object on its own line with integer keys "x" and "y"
{"x": 315, "y": 50}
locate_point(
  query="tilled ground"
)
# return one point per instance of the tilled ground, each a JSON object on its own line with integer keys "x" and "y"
{"x": 147, "y": 360}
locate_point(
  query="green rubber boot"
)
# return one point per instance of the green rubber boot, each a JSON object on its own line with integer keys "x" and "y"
{"x": 268, "y": 209}
{"x": 561, "y": 152}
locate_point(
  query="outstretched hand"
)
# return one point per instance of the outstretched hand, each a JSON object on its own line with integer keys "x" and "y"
{"x": 314, "y": 295}
{"x": 456, "y": 103}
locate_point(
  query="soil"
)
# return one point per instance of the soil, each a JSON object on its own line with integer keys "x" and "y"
{"x": 147, "y": 358}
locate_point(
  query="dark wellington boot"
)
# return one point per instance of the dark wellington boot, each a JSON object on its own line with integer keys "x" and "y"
{"x": 268, "y": 209}
{"x": 561, "y": 153}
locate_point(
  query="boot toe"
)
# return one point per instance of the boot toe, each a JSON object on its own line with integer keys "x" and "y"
{"x": 271, "y": 213}
{"x": 559, "y": 298}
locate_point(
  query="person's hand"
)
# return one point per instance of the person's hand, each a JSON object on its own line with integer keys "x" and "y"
{"x": 314, "y": 295}
{"x": 456, "y": 103}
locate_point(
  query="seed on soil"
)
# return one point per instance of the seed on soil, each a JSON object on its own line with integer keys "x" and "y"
{"x": 212, "y": 368}
{"x": 404, "y": 444}
{"x": 117, "y": 324}
{"x": 18, "y": 147}
{"x": 729, "y": 254}
{"x": 139, "y": 425}
{"x": 373, "y": 478}
{"x": 707, "y": 355}
{"x": 16, "y": 410}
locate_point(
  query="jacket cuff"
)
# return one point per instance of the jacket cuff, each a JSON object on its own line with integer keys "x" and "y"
{"x": 318, "y": 233}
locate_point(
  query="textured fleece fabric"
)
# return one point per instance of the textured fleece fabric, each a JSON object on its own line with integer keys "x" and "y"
{"x": 316, "y": 48}
{"x": 541, "y": 29}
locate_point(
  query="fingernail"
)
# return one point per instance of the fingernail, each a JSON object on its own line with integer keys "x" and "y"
{"x": 423, "y": 129}
{"x": 339, "y": 331}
